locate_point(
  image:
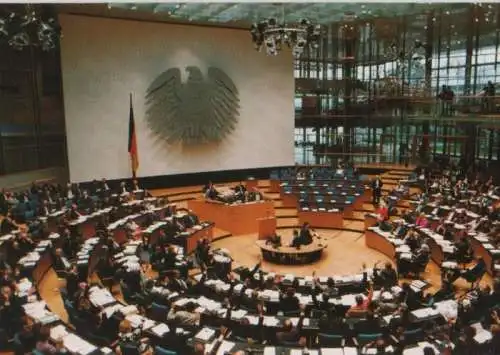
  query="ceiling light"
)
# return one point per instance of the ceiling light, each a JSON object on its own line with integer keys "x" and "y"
{"x": 29, "y": 27}
{"x": 273, "y": 35}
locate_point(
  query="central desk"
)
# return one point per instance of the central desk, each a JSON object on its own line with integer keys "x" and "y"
{"x": 239, "y": 218}
{"x": 287, "y": 255}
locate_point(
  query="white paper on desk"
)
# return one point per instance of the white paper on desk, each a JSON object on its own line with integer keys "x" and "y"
{"x": 205, "y": 334}
{"x": 182, "y": 302}
{"x": 295, "y": 321}
{"x": 369, "y": 351}
{"x": 106, "y": 350}
{"x": 424, "y": 313}
{"x": 239, "y": 314}
{"x": 332, "y": 351}
{"x": 350, "y": 351}
{"x": 77, "y": 345}
{"x": 130, "y": 309}
{"x": 110, "y": 310}
{"x": 269, "y": 350}
{"x": 269, "y": 321}
{"x": 160, "y": 329}
{"x": 58, "y": 332}
{"x": 406, "y": 256}
{"x": 225, "y": 347}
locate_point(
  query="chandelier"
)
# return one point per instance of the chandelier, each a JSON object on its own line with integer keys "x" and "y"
{"x": 26, "y": 26}
{"x": 273, "y": 36}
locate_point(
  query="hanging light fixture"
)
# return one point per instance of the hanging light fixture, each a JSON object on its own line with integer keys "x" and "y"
{"x": 274, "y": 35}
{"x": 25, "y": 25}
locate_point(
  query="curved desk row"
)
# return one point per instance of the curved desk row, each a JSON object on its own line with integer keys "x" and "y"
{"x": 287, "y": 255}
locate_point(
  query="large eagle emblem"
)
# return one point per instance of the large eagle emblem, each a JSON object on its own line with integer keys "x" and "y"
{"x": 199, "y": 111}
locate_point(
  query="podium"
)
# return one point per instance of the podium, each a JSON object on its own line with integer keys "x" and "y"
{"x": 238, "y": 218}
{"x": 267, "y": 227}
{"x": 251, "y": 184}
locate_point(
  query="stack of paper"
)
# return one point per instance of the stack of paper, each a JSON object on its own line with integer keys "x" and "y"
{"x": 160, "y": 329}
{"x": 77, "y": 345}
{"x": 205, "y": 335}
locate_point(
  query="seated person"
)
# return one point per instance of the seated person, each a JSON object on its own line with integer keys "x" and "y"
{"x": 464, "y": 252}
{"x": 296, "y": 240}
{"x": 210, "y": 192}
{"x": 472, "y": 274}
{"x": 44, "y": 345}
{"x": 129, "y": 336}
{"x": 416, "y": 263}
{"x": 306, "y": 235}
{"x": 289, "y": 334}
{"x": 422, "y": 221}
{"x": 387, "y": 277}
{"x": 239, "y": 192}
{"x": 184, "y": 317}
{"x": 362, "y": 304}
{"x": 289, "y": 302}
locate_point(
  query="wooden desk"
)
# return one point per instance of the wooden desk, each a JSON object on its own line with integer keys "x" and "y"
{"x": 370, "y": 220}
{"x": 375, "y": 241}
{"x": 189, "y": 239}
{"x": 321, "y": 219}
{"x": 290, "y": 255}
{"x": 252, "y": 184}
{"x": 236, "y": 218}
{"x": 267, "y": 227}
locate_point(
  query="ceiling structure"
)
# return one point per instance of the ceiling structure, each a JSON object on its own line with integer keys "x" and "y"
{"x": 322, "y": 13}
{"x": 242, "y": 15}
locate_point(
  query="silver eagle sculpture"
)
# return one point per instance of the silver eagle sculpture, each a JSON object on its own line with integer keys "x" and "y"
{"x": 202, "y": 110}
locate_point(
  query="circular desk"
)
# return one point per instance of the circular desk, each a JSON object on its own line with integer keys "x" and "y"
{"x": 287, "y": 255}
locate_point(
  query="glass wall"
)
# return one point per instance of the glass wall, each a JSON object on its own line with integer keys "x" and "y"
{"x": 32, "y": 132}
{"x": 386, "y": 97}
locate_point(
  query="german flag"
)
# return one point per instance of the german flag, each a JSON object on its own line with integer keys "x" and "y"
{"x": 132, "y": 141}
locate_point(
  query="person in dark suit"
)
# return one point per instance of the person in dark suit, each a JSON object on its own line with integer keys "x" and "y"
{"x": 387, "y": 277}
{"x": 289, "y": 302}
{"x": 239, "y": 192}
{"x": 377, "y": 189}
{"x": 288, "y": 333}
{"x": 305, "y": 234}
{"x": 8, "y": 225}
{"x": 44, "y": 209}
{"x": 210, "y": 191}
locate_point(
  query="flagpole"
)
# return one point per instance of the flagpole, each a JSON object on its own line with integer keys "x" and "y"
{"x": 134, "y": 133}
{"x": 131, "y": 164}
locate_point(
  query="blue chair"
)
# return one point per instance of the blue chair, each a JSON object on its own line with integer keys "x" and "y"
{"x": 129, "y": 349}
{"x": 363, "y": 338}
{"x": 413, "y": 336}
{"x": 161, "y": 351}
{"x": 29, "y": 215}
{"x": 330, "y": 340}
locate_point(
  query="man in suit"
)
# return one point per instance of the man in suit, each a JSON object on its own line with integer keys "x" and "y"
{"x": 377, "y": 189}
{"x": 305, "y": 235}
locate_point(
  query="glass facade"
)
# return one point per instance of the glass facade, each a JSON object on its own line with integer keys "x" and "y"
{"x": 370, "y": 94}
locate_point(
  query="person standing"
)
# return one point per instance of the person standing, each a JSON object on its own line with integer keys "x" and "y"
{"x": 377, "y": 189}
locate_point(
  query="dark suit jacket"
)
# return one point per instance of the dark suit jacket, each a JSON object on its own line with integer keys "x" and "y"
{"x": 288, "y": 304}
{"x": 292, "y": 335}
